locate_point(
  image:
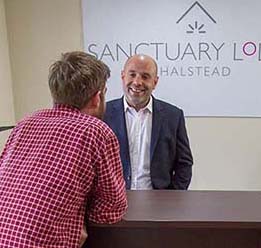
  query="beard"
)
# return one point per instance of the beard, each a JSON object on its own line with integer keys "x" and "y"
{"x": 137, "y": 101}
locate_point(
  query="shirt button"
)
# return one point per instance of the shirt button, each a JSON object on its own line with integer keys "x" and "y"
{"x": 129, "y": 177}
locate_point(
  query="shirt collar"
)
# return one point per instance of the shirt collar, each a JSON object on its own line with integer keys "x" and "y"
{"x": 128, "y": 107}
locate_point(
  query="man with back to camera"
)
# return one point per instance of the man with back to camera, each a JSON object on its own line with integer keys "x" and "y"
{"x": 154, "y": 145}
{"x": 60, "y": 161}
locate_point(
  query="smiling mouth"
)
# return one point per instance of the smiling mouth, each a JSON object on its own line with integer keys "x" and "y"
{"x": 136, "y": 91}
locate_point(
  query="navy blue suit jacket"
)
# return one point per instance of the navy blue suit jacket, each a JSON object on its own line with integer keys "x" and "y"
{"x": 170, "y": 154}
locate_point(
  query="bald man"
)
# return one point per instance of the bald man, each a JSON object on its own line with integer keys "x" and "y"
{"x": 154, "y": 145}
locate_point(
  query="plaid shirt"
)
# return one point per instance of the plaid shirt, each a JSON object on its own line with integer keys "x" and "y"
{"x": 55, "y": 164}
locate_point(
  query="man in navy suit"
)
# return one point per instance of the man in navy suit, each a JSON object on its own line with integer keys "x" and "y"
{"x": 154, "y": 145}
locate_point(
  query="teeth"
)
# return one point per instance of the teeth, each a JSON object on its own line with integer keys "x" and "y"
{"x": 136, "y": 90}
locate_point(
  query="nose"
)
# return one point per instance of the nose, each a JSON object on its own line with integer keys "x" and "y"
{"x": 137, "y": 80}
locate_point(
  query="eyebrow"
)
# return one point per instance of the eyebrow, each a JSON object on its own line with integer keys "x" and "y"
{"x": 142, "y": 73}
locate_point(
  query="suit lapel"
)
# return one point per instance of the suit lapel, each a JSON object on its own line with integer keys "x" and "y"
{"x": 156, "y": 125}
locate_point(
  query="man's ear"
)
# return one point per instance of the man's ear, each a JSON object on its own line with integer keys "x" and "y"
{"x": 122, "y": 74}
{"x": 156, "y": 81}
{"x": 95, "y": 100}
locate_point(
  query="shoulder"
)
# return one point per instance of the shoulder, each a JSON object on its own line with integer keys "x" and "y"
{"x": 114, "y": 103}
{"x": 167, "y": 107}
{"x": 113, "y": 109}
{"x": 97, "y": 128}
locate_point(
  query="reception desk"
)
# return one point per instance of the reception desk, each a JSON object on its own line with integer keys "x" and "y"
{"x": 184, "y": 219}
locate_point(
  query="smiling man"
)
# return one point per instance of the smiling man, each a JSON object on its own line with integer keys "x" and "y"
{"x": 154, "y": 145}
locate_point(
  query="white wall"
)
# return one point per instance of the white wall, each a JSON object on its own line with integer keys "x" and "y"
{"x": 39, "y": 31}
{"x": 226, "y": 150}
{"x": 6, "y": 94}
{"x": 226, "y": 153}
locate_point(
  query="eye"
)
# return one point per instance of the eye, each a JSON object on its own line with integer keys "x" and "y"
{"x": 145, "y": 76}
{"x": 132, "y": 74}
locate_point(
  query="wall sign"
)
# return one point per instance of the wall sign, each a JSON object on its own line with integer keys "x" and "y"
{"x": 208, "y": 53}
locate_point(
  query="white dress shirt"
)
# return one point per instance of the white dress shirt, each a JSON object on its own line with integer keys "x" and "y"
{"x": 139, "y": 125}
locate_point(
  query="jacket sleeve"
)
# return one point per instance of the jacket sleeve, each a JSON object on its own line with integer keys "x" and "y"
{"x": 184, "y": 160}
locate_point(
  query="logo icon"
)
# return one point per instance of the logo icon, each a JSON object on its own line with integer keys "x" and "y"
{"x": 196, "y": 27}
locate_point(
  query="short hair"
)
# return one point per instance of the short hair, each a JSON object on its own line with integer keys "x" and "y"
{"x": 139, "y": 55}
{"x": 76, "y": 77}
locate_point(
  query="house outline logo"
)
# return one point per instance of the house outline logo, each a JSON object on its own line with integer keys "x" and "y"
{"x": 196, "y": 27}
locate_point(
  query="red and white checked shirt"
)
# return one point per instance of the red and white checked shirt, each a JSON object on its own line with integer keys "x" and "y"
{"x": 57, "y": 163}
